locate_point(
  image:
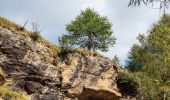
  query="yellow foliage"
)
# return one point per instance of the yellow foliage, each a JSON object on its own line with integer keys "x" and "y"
{"x": 13, "y": 95}
{"x": 8, "y": 24}
{"x": 52, "y": 48}
{"x": 12, "y": 26}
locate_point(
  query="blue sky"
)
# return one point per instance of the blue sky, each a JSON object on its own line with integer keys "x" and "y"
{"x": 52, "y": 15}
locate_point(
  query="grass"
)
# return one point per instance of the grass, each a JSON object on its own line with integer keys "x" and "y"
{"x": 12, "y": 26}
{"x": 15, "y": 27}
{"x": 8, "y": 24}
{"x": 87, "y": 52}
{"x": 11, "y": 95}
{"x": 52, "y": 47}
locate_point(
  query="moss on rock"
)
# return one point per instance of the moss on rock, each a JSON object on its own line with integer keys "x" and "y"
{"x": 7, "y": 94}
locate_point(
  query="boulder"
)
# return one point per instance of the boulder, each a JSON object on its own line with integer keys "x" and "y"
{"x": 86, "y": 74}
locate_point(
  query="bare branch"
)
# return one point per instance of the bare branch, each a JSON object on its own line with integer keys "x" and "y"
{"x": 163, "y": 4}
{"x": 23, "y": 27}
{"x": 36, "y": 31}
{"x": 36, "y": 28}
{"x": 25, "y": 23}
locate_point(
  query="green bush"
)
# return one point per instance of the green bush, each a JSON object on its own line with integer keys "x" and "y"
{"x": 127, "y": 84}
{"x": 34, "y": 36}
{"x": 141, "y": 86}
{"x": 148, "y": 87}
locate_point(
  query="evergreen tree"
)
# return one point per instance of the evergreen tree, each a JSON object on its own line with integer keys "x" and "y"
{"x": 152, "y": 56}
{"x": 89, "y": 30}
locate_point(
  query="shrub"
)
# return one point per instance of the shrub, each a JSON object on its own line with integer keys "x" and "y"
{"x": 36, "y": 31}
{"x": 141, "y": 86}
{"x": 127, "y": 85}
{"x": 34, "y": 36}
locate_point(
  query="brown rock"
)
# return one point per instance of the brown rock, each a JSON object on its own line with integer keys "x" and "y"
{"x": 99, "y": 94}
{"x": 90, "y": 75}
{"x": 2, "y": 80}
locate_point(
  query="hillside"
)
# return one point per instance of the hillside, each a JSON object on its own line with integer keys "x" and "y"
{"x": 39, "y": 70}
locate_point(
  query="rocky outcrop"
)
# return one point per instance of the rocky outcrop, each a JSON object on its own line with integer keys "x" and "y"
{"x": 89, "y": 77}
{"x": 30, "y": 67}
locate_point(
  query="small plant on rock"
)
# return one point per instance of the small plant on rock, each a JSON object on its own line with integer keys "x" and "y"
{"x": 36, "y": 32}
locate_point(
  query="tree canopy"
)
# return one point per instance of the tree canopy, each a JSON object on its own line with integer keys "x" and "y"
{"x": 89, "y": 30}
{"x": 152, "y": 57}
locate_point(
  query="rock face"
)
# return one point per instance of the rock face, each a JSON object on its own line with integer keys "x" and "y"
{"x": 29, "y": 67}
{"x": 89, "y": 78}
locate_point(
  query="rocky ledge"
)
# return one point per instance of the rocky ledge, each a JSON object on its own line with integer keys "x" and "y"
{"x": 31, "y": 68}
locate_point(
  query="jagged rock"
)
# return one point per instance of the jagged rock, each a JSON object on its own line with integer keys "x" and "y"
{"x": 74, "y": 76}
{"x": 89, "y": 73}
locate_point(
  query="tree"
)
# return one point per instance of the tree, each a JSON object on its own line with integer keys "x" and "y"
{"x": 133, "y": 62}
{"x": 148, "y": 88}
{"x": 90, "y": 31}
{"x": 152, "y": 57}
